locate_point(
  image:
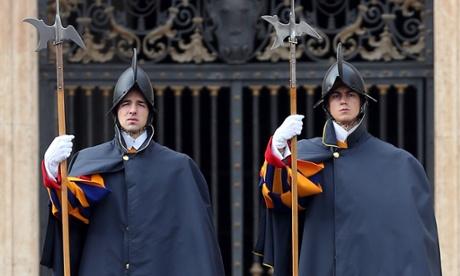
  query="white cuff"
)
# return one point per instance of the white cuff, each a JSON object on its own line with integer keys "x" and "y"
{"x": 277, "y": 153}
{"x": 48, "y": 172}
{"x": 287, "y": 152}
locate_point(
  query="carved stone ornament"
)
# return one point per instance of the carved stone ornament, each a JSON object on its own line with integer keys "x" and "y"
{"x": 231, "y": 31}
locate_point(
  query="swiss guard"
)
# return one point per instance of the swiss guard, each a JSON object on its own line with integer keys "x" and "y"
{"x": 136, "y": 207}
{"x": 366, "y": 206}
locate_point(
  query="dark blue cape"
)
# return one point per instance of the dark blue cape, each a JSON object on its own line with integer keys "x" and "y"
{"x": 375, "y": 216}
{"x": 155, "y": 221}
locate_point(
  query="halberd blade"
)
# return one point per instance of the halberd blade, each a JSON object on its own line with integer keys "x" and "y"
{"x": 45, "y": 32}
{"x": 303, "y": 28}
{"x": 69, "y": 33}
{"x": 281, "y": 30}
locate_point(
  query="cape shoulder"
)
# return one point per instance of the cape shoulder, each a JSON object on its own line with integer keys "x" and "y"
{"x": 107, "y": 157}
{"x": 168, "y": 155}
{"x": 313, "y": 150}
{"x": 402, "y": 164}
{"x": 101, "y": 158}
{"x": 387, "y": 150}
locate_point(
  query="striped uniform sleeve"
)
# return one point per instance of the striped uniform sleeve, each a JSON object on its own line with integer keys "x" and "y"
{"x": 83, "y": 193}
{"x": 275, "y": 180}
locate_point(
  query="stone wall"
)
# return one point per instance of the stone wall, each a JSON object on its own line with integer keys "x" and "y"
{"x": 447, "y": 130}
{"x": 18, "y": 140}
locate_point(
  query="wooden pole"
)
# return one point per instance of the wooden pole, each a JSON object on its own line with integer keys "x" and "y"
{"x": 63, "y": 165}
{"x": 294, "y": 199}
{"x": 46, "y": 35}
{"x": 281, "y": 33}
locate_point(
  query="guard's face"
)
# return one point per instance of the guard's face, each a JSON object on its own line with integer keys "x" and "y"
{"x": 344, "y": 105}
{"x": 133, "y": 113}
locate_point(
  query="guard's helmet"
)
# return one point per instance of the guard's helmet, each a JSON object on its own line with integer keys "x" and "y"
{"x": 133, "y": 77}
{"x": 343, "y": 73}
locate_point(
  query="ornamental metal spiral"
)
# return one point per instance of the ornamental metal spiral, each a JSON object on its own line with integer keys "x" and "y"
{"x": 231, "y": 31}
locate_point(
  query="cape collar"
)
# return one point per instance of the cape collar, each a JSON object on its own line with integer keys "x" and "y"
{"x": 329, "y": 138}
{"x": 121, "y": 142}
{"x": 131, "y": 142}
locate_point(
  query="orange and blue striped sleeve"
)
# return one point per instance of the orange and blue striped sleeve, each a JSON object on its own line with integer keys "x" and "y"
{"x": 275, "y": 180}
{"x": 83, "y": 193}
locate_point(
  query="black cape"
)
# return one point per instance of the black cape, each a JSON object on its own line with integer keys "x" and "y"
{"x": 375, "y": 216}
{"x": 155, "y": 221}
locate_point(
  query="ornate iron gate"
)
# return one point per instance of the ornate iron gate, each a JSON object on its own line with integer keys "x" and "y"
{"x": 220, "y": 91}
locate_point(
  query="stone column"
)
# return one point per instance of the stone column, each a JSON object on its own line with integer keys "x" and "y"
{"x": 447, "y": 131}
{"x": 18, "y": 140}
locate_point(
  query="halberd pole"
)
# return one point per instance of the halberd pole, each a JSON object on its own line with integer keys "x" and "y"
{"x": 57, "y": 34}
{"x": 292, "y": 30}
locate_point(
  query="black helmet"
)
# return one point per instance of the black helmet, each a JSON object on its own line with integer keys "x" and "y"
{"x": 132, "y": 77}
{"x": 343, "y": 73}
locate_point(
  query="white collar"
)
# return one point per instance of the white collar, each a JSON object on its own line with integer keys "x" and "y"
{"x": 134, "y": 142}
{"x": 342, "y": 134}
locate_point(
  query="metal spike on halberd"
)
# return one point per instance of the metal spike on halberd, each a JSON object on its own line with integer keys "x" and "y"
{"x": 291, "y": 30}
{"x": 55, "y": 33}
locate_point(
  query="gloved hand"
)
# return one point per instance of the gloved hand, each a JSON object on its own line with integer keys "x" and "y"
{"x": 291, "y": 127}
{"x": 58, "y": 150}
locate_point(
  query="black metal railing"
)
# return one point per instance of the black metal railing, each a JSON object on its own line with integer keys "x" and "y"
{"x": 224, "y": 128}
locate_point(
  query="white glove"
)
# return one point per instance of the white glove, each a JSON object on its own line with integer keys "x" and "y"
{"x": 291, "y": 127}
{"x": 58, "y": 151}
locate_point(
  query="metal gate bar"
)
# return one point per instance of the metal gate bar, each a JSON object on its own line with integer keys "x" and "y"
{"x": 420, "y": 96}
{"x": 214, "y": 156}
{"x": 177, "y": 117}
{"x": 160, "y": 120}
{"x": 400, "y": 88}
{"x": 236, "y": 177}
{"x": 256, "y": 268}
{"x": 88, "y": 92}
{"x": 196, "y": 124}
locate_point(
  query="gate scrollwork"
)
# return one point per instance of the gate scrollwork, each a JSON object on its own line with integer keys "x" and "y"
{"x": 206, "y": 31}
